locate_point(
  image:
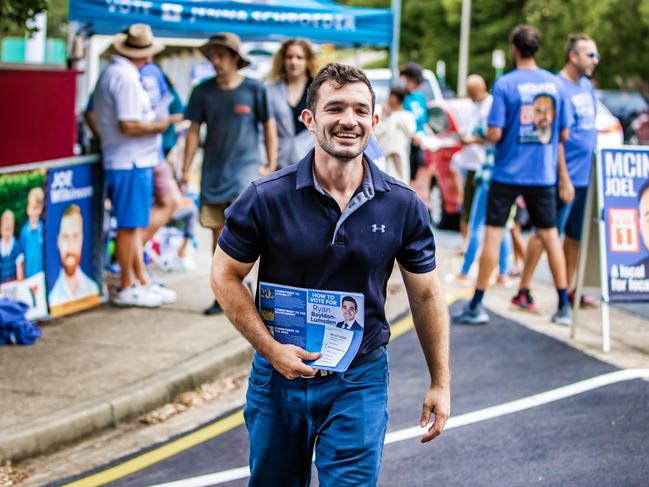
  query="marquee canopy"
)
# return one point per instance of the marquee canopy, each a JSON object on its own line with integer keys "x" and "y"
{"x": 318, "y": 20}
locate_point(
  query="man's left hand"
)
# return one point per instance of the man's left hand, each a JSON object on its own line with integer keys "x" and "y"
{"x": 566, "y": 190}
{"x": 265, "y": 170}
{"x": 437, "y": 401}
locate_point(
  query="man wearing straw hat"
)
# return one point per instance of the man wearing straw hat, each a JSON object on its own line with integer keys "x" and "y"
{"x": 232, "y": 107}
{"x": 130, "y": 142}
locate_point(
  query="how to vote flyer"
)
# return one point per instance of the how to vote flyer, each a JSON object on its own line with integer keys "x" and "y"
{"x": 329, "y": 322}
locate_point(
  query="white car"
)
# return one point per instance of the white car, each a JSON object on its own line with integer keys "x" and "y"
{"x": 609, "y": 128}
{"x": 381, "y": 80}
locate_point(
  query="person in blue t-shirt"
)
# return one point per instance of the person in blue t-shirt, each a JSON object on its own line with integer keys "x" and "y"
{"x": 164, "y": 100}
{"x": 12, "y": 258}
{"x": 167, "y": 195}
{"x": 176, "y": 107}
{"x": 582, "y": 58}
{"x": 528, "y": 121}
{"x": 415, "y": 102}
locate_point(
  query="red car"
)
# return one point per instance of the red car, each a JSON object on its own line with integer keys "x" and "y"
{"x": 639, "y": 129}
{"x": 435, "y": 182}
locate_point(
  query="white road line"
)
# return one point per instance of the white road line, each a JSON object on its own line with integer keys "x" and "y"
{"x": 454, "y": 422}
{"x": 211, "y": 478}
{"x": 525, "y": 403}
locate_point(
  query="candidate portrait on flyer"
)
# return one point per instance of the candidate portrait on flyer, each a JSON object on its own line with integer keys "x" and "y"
{"x": 350, "y": 319}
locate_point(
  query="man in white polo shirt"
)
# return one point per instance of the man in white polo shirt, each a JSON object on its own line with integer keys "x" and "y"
{"x": 131, "y": 147}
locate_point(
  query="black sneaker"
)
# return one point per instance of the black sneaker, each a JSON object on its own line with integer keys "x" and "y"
{"x": 215, "y": 309}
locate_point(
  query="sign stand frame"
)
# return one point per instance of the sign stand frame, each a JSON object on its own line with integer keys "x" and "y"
{"x": 592, "y": 255}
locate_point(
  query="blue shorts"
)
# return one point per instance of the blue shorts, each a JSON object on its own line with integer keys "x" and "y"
{"x": 570, "y": 216}
{"x": 130, "y": 192}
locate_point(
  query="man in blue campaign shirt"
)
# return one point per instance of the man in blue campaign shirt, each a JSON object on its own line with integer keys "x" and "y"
{"x": 332, "y": 221}
{"x": 528, "y": 120}
{"x": 581, "y": 60}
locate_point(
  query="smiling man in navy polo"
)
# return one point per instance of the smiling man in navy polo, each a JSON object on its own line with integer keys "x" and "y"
{"x": 334, "y": 222}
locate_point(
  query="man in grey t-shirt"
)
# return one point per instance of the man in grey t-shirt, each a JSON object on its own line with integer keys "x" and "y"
{"x": 232, "y": 106}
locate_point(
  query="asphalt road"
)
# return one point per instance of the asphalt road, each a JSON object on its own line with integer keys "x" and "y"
{"x": 599, "y": 437}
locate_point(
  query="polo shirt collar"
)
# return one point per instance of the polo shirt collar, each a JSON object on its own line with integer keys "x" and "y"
{"x": 306, "y": 176}
{"x": 125, "y": 62}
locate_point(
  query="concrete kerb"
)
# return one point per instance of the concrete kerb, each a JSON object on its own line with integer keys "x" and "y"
{"x": 124, "y": 404}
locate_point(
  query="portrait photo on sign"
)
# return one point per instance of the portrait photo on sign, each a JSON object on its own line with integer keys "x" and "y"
{"x": 22, "y": 210}
{"x": 69, "y": 244}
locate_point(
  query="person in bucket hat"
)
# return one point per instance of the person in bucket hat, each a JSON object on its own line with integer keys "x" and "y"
{"x": 131, "y": 146}
{"x": 228, "y": 40}
{"x": 233, "y": 107}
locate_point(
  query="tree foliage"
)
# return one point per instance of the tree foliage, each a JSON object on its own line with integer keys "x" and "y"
{"x": 57, "y": 18}
{"x": 430, "y": 31}
{"x": 15, "y": 13}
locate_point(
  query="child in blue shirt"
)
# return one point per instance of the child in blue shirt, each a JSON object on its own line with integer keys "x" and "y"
{"x": 31, "y": 235}
{"x": 11, "y": 254}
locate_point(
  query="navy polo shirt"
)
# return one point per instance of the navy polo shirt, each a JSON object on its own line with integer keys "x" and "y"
{"x": 304, "y": 240}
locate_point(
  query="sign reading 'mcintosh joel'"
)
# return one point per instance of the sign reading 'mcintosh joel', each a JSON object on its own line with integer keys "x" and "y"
{"x": 624, "y": 200}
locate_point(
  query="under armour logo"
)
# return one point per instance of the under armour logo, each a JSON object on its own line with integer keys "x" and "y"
{"x": 376, "y": 228}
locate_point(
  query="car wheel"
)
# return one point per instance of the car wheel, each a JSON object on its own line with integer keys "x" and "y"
{"x": 436, "y": 201}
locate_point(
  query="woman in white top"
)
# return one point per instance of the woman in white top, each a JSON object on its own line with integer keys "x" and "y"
{"x": 294, "y": 66}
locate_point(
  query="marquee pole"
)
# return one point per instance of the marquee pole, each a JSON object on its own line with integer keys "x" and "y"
{"x": 396, "y": 35}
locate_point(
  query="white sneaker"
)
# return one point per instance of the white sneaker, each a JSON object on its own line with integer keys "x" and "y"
{"x": 167, "y": 295}
{"x": 137, "y": 296}
{"x": 187, "y": 262}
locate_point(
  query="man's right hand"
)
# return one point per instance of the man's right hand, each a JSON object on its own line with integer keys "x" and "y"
{"x": 288, "y": 360}
{"x": 566, "y": 189}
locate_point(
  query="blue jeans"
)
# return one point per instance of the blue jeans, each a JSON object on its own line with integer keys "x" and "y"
{"x": 343, "y": 416}
{"x": 477, "y": 219}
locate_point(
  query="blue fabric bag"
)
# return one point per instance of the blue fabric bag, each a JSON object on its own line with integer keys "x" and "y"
{"x": 15, "y": 329}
